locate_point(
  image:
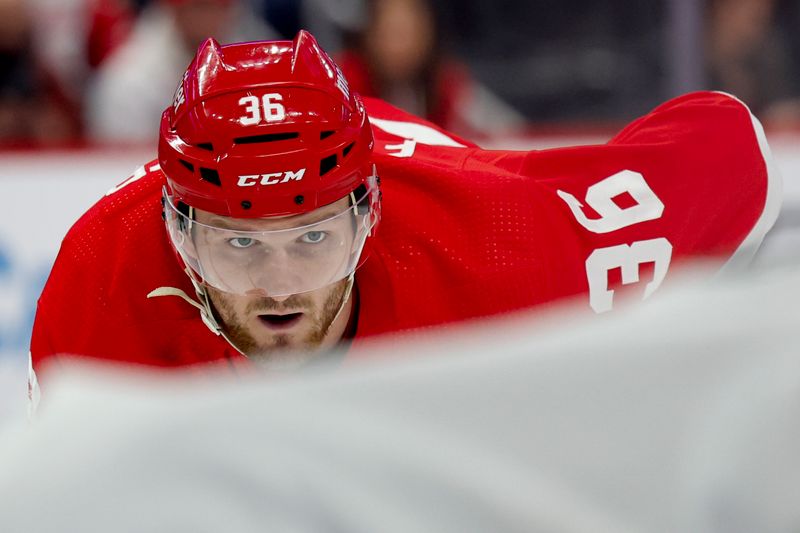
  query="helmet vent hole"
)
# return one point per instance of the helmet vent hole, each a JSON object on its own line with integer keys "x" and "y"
{"x": 184, "y": 209}
{"x": 189, "y": 166}
{"x": 347, "y": 149}
{"x": 363, "y": 199}
{"x": 206, "y": 146}
{"x": 267, "y": 138}
{"x": 327, "y": 164}
{"x": 326, "y": 134}
{"x": 246, "y": 204}
{"x": 211, "y": 176}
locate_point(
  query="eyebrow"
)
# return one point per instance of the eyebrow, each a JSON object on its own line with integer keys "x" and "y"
{"x": 225, "y": 223}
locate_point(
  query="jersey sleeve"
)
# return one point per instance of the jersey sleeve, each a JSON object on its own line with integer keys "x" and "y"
{"x": 692, "y": 182}
{"x": 55, "y": 297}
{"x": 86, "y": 306}
{"x": 730, "y": 175}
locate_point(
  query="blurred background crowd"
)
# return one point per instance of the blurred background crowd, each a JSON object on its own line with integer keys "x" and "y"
{"x": 83, "y": 72}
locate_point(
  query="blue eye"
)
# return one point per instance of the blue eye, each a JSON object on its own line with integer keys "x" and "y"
{"x": 241, "y": 242}
{"x": 313, "y": 237}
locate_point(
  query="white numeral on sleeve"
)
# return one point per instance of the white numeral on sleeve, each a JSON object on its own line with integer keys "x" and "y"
{"x": 628, "y": 259}
{"x": 612, "y": 217}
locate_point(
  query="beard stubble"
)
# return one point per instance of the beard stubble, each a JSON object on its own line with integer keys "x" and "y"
{"x": 235, "y": 323}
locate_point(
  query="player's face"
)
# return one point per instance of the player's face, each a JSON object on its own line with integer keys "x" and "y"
{"x": 276, "y": 260}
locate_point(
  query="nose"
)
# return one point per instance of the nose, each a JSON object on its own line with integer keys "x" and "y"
{"x": 276, "y": 275}
{"x": 262, "y": 293}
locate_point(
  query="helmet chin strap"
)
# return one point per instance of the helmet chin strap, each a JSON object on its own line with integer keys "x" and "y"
{"x": 203, "y": 305}
{"x": 205, "y": 308}
{"x": 207, "y": 314}
{"x": 345, "y": 297}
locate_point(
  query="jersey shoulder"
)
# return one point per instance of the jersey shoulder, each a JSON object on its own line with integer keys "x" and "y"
{"x": 109, "y": 261}
{"x": 104, "y": 230}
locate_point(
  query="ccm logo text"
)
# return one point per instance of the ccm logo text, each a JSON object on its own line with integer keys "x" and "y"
{"x": 270, "y": 179}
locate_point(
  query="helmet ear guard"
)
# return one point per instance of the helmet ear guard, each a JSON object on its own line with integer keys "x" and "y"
{"x": 371, "y": 202}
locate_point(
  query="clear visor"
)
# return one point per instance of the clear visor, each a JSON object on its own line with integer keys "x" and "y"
{"x": 272, "y": 256}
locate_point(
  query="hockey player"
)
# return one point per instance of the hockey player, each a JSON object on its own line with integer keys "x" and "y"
{"x": 242, "y": 240}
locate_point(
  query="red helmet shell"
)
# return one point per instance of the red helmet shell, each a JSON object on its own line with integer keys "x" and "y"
{"x": 264, "y": 129}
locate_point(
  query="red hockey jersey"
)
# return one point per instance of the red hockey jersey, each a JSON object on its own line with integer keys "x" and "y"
{"x": 465, "y": 232}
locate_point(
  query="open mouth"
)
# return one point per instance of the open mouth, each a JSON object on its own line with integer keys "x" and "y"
{"x": 280, "y": 321}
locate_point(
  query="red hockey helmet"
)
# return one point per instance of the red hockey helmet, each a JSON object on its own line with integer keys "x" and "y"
{"x": 261, "y": 130}
{"x": 264, "y": 129}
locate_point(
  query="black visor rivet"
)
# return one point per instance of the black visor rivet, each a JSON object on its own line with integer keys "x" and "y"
{"x": 299, "y": 199}
{"x": 246, "y": 204}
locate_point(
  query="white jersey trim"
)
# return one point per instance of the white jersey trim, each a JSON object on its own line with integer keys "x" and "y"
{"x": 772, "y": 205}
{"x": 34, "y": 393}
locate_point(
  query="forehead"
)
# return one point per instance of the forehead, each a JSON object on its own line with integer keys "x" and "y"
{"x": 273, "y": 223}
